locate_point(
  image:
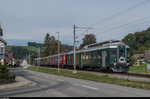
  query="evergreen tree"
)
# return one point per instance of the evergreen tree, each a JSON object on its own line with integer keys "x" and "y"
{"x": 51, "y": 46}
{"x": 46, "y": 46}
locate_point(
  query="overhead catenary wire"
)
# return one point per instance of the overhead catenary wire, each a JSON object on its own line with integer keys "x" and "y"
{"x": 120, "y": 13}
{"x": 135, "y": 21}
{"x": 114, "y": 28}
{"x": 107, "y": 19}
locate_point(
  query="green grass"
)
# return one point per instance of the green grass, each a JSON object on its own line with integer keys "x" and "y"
{"x": 92, "y": 77}
{"x": 138, "y": 69}
{"x": 30, "y": 48}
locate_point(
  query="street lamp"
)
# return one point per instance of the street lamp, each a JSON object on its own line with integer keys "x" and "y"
{"x": 58, "y": 50}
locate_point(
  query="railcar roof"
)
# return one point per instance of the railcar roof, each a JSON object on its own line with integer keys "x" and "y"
{"x": 104, "y": 46}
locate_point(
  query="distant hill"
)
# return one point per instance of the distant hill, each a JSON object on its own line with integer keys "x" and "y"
{"x": 20, "y": 52}
{"x": 29, "y": 48}
{"x": 68, "y": 47}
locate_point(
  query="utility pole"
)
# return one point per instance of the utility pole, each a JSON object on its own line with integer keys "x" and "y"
{"x": 39, "y": 55}
{"x": 29, "y": 57}
{"x": 74, "y": 31}
{"x": 58, "y": 50}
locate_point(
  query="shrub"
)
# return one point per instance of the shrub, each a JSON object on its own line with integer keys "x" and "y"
{"x": 132, "y": 60}
{"x": 3, "y": 71}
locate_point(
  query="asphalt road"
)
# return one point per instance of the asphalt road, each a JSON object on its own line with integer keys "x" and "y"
{"x": 46, "y": 85}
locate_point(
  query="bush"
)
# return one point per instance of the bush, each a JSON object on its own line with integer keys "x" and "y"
{"x": 132, "y": 60}
{"x": 3, "y": 72}
{"x": 10, "y": 65}
{"x": 11, "y": 76}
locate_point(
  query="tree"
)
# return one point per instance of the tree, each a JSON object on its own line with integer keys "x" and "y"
{"x": 19, "y": 52}
{"x": 51, "y": 46}
{"x": 132, "y": 60}
{"x": 88, "y": 39}
{"x": 138, "y": 41}
{"x": 34, "y": 55}
{"x": 46, "y": 45}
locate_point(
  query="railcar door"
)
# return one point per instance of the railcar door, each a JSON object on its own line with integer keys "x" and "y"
{"x": 104, "y": 55}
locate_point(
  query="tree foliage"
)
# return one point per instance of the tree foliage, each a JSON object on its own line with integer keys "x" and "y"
{"x": 88, "y": 39}
{"x": 138, "y": 41}
{"x": 51, "y": 46}
{"x": 34, "y": 44}
{"x": 3, "y": 72}
{"x": 19, "y": 52}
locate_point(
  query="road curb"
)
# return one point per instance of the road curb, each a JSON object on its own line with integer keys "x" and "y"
{"x": 20, "y": 81}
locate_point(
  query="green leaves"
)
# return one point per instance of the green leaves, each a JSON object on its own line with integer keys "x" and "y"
{"x": 3, "y": 72}
{"x": 51, "y": 46}
{"x": 138, "y": 42}
{"x": 88, "y": 39}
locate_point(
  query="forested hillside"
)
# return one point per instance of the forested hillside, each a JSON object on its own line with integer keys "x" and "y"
{"x": 21, "y": 52}
{"x": 138, "y": 41}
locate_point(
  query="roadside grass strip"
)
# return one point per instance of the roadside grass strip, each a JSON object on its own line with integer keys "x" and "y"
{"x": 138, "y": 69}
{"x": 92, "y": 77}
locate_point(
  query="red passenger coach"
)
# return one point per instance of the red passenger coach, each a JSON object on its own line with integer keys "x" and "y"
{"x": 53, "y": 60}
{"x": 65, "y": 58}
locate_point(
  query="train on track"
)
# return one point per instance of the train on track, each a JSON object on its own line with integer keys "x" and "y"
{"x": 112, "y": 55}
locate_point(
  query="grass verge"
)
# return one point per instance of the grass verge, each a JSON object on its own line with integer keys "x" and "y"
{"x": 92, "y": 77}
{"x": 138, "y": 69}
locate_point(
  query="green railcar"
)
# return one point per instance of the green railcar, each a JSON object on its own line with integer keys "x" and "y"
{"x": 109, "y": 55}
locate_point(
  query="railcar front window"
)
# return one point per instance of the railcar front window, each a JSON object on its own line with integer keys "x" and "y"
{"x": 121, "y": 53}
{"x": 113, "y": 53}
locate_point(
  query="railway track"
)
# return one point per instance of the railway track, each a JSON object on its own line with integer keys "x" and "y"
{"x": 98, "y": 72}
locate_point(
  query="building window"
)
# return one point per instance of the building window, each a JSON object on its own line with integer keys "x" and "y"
{"x": 1, "y": 50}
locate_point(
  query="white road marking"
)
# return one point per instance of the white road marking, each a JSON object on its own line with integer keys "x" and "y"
{"x": 60, "y": 80}
{"x": 89, "y": 87}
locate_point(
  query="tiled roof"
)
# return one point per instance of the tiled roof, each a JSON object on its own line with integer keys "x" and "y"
{"x": 137, "y": 56}
{"x": 1, "y": 39}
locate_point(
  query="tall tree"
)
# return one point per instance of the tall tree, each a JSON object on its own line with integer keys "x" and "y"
{"x": 46, "y": 46}
{"x": 88, "y": 39}
{"x": 51, "y": 46}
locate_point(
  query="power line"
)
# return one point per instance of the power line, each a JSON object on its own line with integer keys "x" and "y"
{"x": 125, "y": 24}
{"x": 122, "y": 12}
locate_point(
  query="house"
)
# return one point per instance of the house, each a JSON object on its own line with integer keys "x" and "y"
{"x": 3, "y": 43}
{"x": 2, "y": 50}
{"x": 8, "y": 56}
{"x": 139, "y": 58}
{"x": 147, "y": 58}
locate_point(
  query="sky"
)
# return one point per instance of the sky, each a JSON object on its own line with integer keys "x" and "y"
{"x": 31, "y": 20}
